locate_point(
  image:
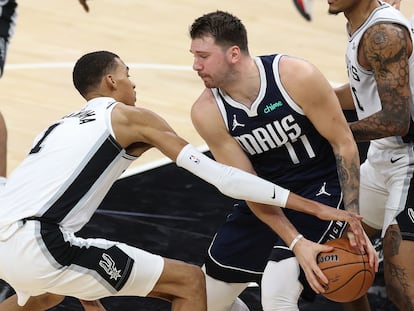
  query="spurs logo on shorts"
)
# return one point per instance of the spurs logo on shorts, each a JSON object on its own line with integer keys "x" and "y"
{"x": 411, "y": 214}
{"x": 109, "y": 266}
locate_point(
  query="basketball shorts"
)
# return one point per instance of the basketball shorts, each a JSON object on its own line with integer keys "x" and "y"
{"x": 387, "y": 189}
{"x": 243, "y": 244}
{"x": 40, "y": 258}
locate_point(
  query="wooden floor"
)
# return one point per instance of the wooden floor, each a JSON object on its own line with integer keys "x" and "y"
{"x": 151, "y": 36}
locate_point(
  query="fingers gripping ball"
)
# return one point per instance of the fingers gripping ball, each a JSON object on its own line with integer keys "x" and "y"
{"x": 347, "y": 270}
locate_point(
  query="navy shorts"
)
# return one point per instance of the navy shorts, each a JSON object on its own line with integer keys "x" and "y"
{"x": 243, "y": 245}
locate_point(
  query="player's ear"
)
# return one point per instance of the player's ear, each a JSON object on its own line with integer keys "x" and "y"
{"x": 110, "y": 81}
{"x": 234, "y": 53}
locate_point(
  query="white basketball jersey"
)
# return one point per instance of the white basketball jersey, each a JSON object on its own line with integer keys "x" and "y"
{"x": 362, "y": 82}
{"x": 68, "y": 171}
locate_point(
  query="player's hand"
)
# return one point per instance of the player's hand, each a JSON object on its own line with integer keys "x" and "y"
{"x": 368, "y": 248}
{"x": 306, "y": 252}
{"x": 325, "y": 212}
{"x": 92, "y": 305}
{"x": 353, "y": 220}
{"x": 84, "y": 5}
{"x": 359, "y": 238}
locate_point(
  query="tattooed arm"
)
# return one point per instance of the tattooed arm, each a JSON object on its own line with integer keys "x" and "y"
{"x": 385, "y": 49}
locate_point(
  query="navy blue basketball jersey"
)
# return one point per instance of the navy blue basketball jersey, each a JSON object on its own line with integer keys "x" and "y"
{"x": 281, "y": 142}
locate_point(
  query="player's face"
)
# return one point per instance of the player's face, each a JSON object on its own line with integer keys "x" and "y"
{"x": 125, "y": 88}
{"x": 211, "y": 61}
{"x": 339, "y": 6}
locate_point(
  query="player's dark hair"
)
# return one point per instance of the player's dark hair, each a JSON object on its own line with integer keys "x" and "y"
{"x": 225, "y": 28}
{"x": 90, "y": 68}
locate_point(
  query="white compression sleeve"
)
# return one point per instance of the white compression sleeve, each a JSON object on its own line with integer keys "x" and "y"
{"x": 231, "y": 181}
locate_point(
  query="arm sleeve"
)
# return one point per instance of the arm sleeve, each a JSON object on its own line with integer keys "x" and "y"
{"x": 231, "y": 181}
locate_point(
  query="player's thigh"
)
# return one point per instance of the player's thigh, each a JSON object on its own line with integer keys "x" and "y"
{"x": 372, "y": 197}
{"x": 284, "y": 293}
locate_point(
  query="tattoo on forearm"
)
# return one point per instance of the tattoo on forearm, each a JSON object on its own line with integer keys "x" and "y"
{"x": 385, "y": 49}
{"x": 349, "y": 179}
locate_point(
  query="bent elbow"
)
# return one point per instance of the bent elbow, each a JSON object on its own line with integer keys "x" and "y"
{"x": 405, "y": 127}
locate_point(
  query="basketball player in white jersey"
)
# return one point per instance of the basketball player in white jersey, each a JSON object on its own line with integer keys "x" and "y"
{"x": 70, "y": 168}
{"x": 380, "y": 64}
{"x": 8, "y": 18}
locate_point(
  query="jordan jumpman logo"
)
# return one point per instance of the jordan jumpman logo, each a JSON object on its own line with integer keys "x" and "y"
{"x": 323, "y": 190}
{"x": 236, "y": 123}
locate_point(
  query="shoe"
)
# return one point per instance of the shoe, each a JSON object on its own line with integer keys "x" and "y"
{"x": 305, "y": 8}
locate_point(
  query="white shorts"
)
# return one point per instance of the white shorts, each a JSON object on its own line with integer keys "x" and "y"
{"x": 385, "y": 185}
{"x": 35, "y": 262}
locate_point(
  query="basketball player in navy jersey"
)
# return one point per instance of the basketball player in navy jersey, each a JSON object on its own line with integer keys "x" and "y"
{"x": 278, "y": 117}
{"x": 380, "y": 64}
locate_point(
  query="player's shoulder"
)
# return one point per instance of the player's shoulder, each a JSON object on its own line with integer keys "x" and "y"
{"x": 385, "y": 35}
{"x": 296, "y": 69}
{"x": 205, "y": 100}
{"x": 132, "y": 115}
{"x": 205, "y": 109}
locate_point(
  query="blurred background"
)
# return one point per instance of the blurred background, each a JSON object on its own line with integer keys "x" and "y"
{"x": 155, "y": 206}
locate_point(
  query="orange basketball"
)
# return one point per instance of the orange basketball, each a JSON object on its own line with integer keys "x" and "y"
{"x": 347, "y": 270}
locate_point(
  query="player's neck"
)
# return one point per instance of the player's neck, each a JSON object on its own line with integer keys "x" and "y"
{"x": 359, "y": 13}
{"x": 244, "y": 85}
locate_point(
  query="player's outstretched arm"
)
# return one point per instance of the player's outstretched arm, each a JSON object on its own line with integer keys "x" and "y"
{"x": 241, "y": 185}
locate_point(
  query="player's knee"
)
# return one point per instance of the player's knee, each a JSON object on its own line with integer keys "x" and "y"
{"x": 223, "y": 296}
{"x": 45, "y": 301}
{"x": 284, "y": 293}
{"x": 239, "y": 305}
{"x": 195, "y": 282}
{"x": 279, "y": 304}
{"x": 281, "y": 299}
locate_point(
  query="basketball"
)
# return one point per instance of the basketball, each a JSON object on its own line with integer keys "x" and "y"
{"x": 347, "y": 270}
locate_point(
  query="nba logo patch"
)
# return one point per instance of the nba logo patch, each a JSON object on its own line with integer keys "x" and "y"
{"x": 194, "y": 159}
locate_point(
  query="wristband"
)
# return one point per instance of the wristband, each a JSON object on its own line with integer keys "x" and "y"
{"x": 295, "y": 240}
